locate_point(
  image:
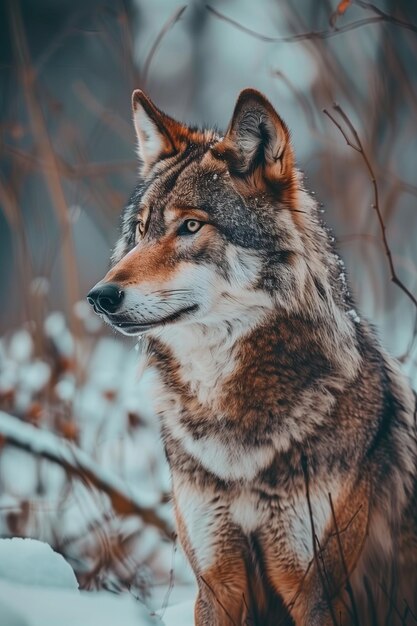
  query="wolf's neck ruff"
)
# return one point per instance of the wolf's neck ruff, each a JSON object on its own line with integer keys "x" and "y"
{"x": 246, "y": 391}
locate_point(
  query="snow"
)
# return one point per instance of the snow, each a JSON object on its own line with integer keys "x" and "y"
{"x": 85, "y": 404}
{"x": 33, "y": 562}
{"x": 35, "y": 375}
{"x": 56, "y": 330}
{"x": 181, "y": 614}
{"x": 46, "y": 443}
{"x": 352, "y": 313}
{"x": 23, "y": 605}
{"x": 39, "y": 588}
{"x": 21, "y": 346}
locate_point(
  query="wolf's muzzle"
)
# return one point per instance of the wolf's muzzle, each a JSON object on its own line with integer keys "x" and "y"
{"x": 106, "y": 298}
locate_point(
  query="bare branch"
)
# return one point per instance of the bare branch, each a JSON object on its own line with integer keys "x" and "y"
{"x": 371, "y": 602}
{"x": 77, "y": 463}
{"x": 386, "y": 17}
{"x": 410, "y": 611}
{"x": 345, "y": 569}
{"x": 302, "y": 98}
{"x": 392, "y": 605}
{"x": 46, "y": 150}
{"x": 358, "y": 147}
{"x": 320, "y": 34}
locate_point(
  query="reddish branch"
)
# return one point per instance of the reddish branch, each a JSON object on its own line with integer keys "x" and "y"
{"x": 46, "y": 152}
{"x": 77, "y": 464}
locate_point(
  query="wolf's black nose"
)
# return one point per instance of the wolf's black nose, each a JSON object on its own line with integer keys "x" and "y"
{"x": 106, "y": 298}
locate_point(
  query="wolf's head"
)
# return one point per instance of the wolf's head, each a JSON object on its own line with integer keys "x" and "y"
{"x": 218, "y": 228}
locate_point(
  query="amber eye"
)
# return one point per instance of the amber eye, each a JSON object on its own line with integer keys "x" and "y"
{"x": 189, "y": 227}
{"x": 140, "y": 229}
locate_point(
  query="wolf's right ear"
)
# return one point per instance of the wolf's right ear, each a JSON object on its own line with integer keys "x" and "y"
{"x": 155, "y": 131}
{"x": 257, "y": 146}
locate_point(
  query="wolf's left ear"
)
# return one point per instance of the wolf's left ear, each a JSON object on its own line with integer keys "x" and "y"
{"x": 155, "y": 131}
{"x": 257, "y": 144}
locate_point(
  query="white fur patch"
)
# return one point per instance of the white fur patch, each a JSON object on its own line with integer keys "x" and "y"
{"x": 245, "y": 512}
{"x": 221, "y": 455}
{"x": 150, "y": 139}
{"x": 201, "y": 523}
{"x": 228, "y": 460}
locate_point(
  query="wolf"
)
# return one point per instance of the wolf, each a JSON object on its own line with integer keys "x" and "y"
{"x": 289, "y": 432}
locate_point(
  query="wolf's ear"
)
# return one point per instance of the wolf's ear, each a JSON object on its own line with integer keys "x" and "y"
{"x": 257, "y": 143}
{"x": 155, "y": 131}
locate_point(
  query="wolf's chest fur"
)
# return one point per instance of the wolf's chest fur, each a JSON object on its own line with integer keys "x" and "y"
{"x": 192, "y": 410}
{"x": 232, "y": 409}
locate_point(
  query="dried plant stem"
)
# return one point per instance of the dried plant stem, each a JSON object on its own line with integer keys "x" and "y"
{"x": 47, "y": 154}
{"x": 220, "y": 603}
{"x": 321, "y": 573}
{"x": 9, "y": 205}
{"x": 345, "y": 569}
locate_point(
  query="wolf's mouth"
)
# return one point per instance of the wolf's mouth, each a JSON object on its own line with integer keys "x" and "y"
{"x": 134, "y": 328}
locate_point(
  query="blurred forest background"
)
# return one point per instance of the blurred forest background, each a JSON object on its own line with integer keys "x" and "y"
{"x": 81, "y": 465}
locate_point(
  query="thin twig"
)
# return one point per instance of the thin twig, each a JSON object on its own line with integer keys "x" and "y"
{"x": 46, "y": 150}
{"x": 164, "y": 30}
{"x": 311, "y": 35}
{"x": 325, "y": 573}
{"x": 344, "y": 565}
{"x": 386, "y": 17}
{"x": 170, "y": 582}
{"x": 358, "y": 147}
{"x": 371, "y": 601}
{"x": 218, "y": 600}
{"x": 410, "y": 611}
{"x": 392, "y": 604}
{"x": 304, "y": 465}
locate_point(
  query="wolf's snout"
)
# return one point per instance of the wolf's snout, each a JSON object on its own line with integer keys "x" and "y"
{"x": 106, "y": 298}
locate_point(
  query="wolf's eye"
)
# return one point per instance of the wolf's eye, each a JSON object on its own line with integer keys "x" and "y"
{"x": 189, "y": 227}
{"x": 140, "y": 229}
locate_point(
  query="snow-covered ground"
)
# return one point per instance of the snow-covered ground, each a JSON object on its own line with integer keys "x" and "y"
{"x": 31, "y": 562}
{"x": 80, "y": 461}
{"x": 39, "y": 588}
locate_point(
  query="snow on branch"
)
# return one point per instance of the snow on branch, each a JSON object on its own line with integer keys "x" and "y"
{"x": 77, "y": 463}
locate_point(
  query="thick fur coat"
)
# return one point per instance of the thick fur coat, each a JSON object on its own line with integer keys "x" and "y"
{"x": 289, "y": 432}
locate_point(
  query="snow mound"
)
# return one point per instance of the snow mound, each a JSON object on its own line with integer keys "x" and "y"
{"x": 39, "y": 588}
{"x": 23, "y": 605}
{"x": 31, "y": 562}
{"x": 181, "y": 614}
